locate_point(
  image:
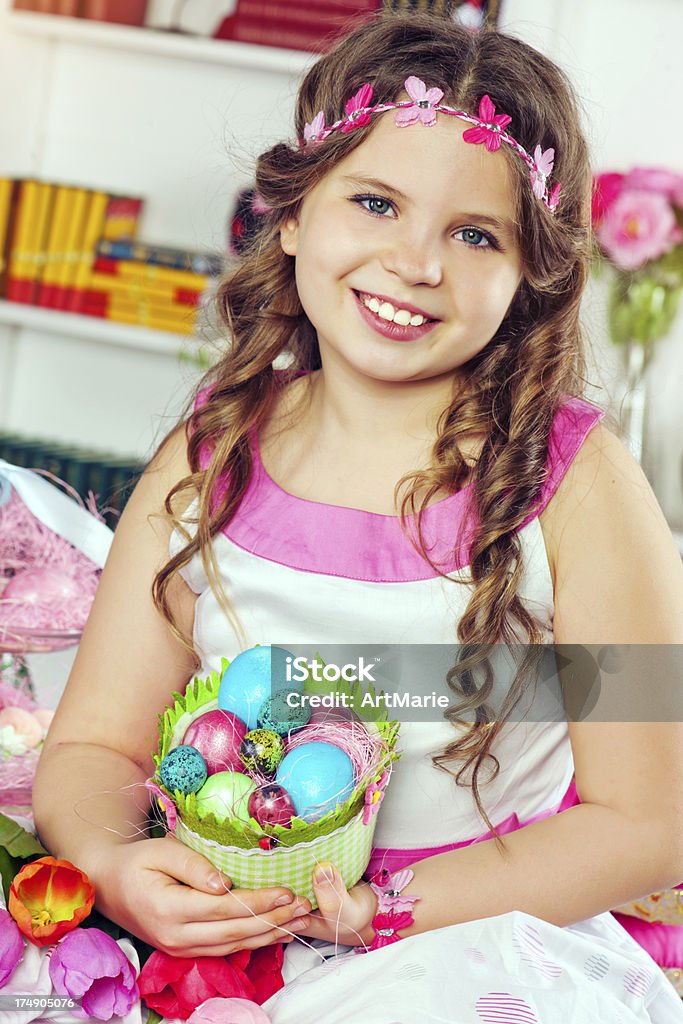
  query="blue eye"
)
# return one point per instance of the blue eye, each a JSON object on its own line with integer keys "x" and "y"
{"x": 474, "y": 238}
{"x": 375, "y": 205}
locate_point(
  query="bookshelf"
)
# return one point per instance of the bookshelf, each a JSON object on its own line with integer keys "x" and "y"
{"x": 173, "y": 118}
{"x": 167, "y": 44}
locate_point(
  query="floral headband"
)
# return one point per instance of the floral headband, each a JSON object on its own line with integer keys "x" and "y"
{"x": 423, "y": 106}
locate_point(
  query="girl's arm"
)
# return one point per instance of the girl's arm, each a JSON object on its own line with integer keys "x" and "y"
{"x": 618, "y": 580}
{"x": 89, "y": 800}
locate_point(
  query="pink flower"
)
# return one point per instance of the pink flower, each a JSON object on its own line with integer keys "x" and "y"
{"x": 657, "y": 179}
{"x": 374, "y": 795}
{"x": 11, "y": 946}
{"x": 313, "y": 131}
{"x": 233, "y": 1009}
{"x": 387, "y": 924}
{"x": 167, "y": 805}
{"x": 89, "y": 966}
{"x": 355, "y": 109}
{"x": 638, "y": 227}
{"x": 554, "y": 197}
{"x": 422, "y": 107}
{"x": 489, "y": 132}
{"x": 544, "y": 161}
{"x": 606, "y": 188}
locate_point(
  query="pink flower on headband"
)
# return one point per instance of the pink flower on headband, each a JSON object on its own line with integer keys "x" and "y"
{"x": 313, "y": 131}
{"x": 165, "y": 802}
{"x": 422, "y": 107}
{"x": 489, "y": 131}
{"x": 554, "y": 197}
{"x": 544, "y": 164}
{"x": 357, "y": 115}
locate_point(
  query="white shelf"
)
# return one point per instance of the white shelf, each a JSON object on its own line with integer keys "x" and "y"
{"x": 167, "y": 44}
{"x": 94, "y": 329}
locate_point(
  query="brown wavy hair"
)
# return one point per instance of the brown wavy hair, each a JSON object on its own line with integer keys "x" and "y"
{"x": 512, "y": 388}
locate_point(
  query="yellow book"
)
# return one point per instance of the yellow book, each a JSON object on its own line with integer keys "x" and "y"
{"x": 158, "y": 323}
{"x": 164, "y": 310}
{"x": 149, "y": 272}
{"x": 56, "y": 244}
{"x": 20, "y": 283}
{"x": 73, "y": 247}
{"x": 94, "y": 223}
{"x": 38, "y": 240}
{"x": 110, "y": 284}
{"x": 7, "y": 186}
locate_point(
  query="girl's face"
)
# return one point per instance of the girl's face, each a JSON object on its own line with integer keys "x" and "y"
{"x": 406, "y": 254}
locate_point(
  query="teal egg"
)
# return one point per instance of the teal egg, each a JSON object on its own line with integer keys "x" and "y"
{"x": 317, "y": 776}
{"x": 261, "y": 751}
{"x": 183, "y": 769}
{"x": 276, "y": 714}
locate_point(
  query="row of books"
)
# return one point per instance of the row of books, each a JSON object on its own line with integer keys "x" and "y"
{"x": 74, "y": 249}
{"x": 295, "y": 24}
{"x": 110, "y": 478}
{"x": 125, "y": 12}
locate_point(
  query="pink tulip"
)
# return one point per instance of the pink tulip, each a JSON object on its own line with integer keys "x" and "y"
{"x": 233, "y": 1010}
{"x": 638, "y": 227}
{"x": 11, "y": 946}
{"x": 657, "y": 179}
{"x": 88, "y": 965}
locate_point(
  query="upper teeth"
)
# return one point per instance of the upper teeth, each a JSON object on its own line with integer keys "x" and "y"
{"x": 386, "y": 311}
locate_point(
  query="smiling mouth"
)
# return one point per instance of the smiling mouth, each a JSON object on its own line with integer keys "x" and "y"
{"x": 391, "y": 314}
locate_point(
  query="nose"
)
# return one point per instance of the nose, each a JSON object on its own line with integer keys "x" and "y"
{"x": 413, "y": 256}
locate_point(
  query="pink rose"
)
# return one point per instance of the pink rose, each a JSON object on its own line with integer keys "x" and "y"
{"x": 638, "y": 227}
{"x": 657, "y": 179}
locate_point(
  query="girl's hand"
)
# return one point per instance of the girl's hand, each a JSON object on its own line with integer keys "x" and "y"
{"x": 176, "y": 900}
{"x": 342, "y": 916}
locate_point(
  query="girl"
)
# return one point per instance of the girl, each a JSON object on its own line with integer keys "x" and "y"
{"x": 424, "y": 471}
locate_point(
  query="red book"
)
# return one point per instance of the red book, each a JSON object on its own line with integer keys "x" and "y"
{"x": 310, "y": 25}
{"x": 121, "y": 12}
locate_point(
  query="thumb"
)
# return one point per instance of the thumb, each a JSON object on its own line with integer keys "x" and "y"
{"x": 192, "y": 869}
{"x": 329, "y": 888}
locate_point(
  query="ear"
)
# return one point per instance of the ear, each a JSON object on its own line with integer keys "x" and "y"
{"x": 289, "y": 232}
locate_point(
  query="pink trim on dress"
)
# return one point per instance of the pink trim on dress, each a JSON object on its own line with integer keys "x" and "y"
{"x": 352, "y": 543}
{"x": 395, "y": 859}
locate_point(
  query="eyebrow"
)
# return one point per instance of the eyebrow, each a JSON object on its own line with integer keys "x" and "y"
{"x": 383, "y": 186}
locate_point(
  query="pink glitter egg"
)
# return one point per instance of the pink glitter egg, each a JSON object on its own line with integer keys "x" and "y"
{"x": 271, "y": 805}
{"x": 42, "y": 587}
{"x": 217, "y": 735}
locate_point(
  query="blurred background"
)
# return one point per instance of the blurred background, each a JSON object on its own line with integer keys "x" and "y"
{"x": 127, "y": 133}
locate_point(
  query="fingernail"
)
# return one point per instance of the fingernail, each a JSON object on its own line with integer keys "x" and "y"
{"x": 300, "y": 911}
{"x": 217, "y": 884}
{"x": 324, "y": 874}
{"x": 282, "y": 901}
{"x": 296, "y": 926}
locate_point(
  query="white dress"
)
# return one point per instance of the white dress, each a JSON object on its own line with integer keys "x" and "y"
{"x": 302, "y": 572}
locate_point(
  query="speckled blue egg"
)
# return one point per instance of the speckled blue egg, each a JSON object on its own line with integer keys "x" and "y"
{"x": 183, "y": 769}
{"x": 250, "y": 679}
{"x": 317, "y": 776}
{"x": 276, "y": 714}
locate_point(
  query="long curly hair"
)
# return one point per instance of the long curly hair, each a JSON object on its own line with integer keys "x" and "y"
{"x": 512, "y": 388}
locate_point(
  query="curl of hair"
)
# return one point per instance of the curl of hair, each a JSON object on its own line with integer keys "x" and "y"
{"x": 512, "y": 389}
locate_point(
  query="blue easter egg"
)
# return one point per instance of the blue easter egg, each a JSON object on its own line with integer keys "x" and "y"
{"x": 183, "y": 769}
{"x": 250, "y": 679}
{"x": 317, "y": 776}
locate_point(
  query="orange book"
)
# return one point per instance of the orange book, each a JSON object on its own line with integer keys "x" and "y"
{"x": 19, "y": 280}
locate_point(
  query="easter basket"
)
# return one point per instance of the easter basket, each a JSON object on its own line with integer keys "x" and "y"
{"x": 258, "y": 856}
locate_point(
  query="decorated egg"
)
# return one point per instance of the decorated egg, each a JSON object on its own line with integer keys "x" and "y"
{"x": 226, "y": 795}
{"x": 261, "y": 751}
{"x": 251, "y": 678}
{"x": 277, "y": 714}
{"x": 183, "y": 769}
{"x": 271, "y": 805}
{"x": 217, "y": 736}
{"x": 317, "y": 776}
{"x": 44, "y": 586}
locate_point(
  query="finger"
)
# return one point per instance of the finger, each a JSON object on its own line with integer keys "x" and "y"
{"x": 214, "y": 936}
{"x": 179, "y": 862}
{"x": 275, "y": 905}
{"x": 330, "y": 891}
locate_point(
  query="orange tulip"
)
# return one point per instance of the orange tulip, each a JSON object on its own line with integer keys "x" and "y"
{"x": 48, "y": 898}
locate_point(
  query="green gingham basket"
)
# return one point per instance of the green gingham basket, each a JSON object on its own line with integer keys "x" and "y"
{"x": 233, "y": 846}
